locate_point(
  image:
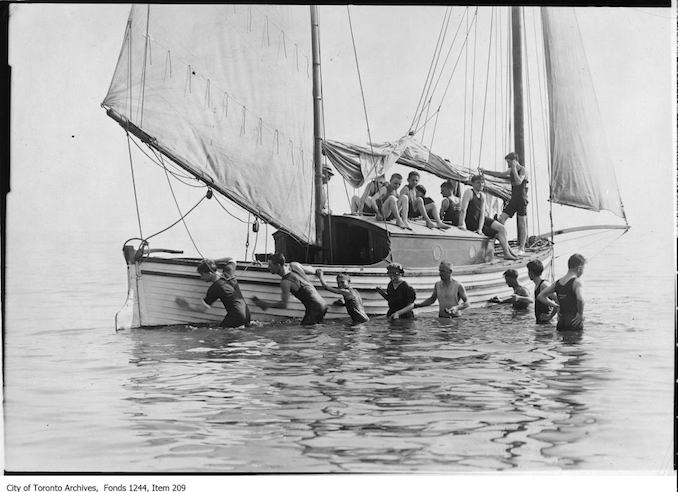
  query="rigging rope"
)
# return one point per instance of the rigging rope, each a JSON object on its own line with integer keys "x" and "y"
{"x": 360, "y": 80}
{"x": 448, "y": 82}
{"x": 178, "y": 220}
{"x": 449, "y": 51}
{"x": 247, "y": 239}
{"x": 487, "y": 83}
{"x": 169, "y": 182}
{"x": 229, "y": 213}
{"x": 134, "y": 183}
{"x": 424, "y": 91}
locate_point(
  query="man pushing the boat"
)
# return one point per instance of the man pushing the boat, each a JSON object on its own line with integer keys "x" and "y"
{"x": 294, "y": 281}
{"x": 225, "y": 288}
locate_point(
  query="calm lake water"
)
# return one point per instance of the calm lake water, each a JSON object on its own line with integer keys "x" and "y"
{"x": 488, "y": 392}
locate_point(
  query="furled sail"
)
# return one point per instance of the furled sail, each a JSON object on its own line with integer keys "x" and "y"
{"x": 582, "y": 174}
{"x": 226, "y": 92}
{"x": 358, "y": 164}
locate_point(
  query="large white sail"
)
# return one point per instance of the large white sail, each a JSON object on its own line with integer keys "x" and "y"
{"x": 226, "y": 91}
{"x": 582, "y": 173}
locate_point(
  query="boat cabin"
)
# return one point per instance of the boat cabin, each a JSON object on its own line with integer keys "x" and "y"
{"x": 362, "y": 240}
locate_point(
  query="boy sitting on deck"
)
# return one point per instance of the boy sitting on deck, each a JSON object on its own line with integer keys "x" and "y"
{"x": 352, "y": 299}
{"x": 425, "y": 207}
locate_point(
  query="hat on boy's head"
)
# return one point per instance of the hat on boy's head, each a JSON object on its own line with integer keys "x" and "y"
{"x": 395, "y": 267}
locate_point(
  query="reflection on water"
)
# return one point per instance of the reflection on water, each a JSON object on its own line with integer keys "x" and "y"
{"x": 405, "y": 395}
{"x": 489, "y": 391}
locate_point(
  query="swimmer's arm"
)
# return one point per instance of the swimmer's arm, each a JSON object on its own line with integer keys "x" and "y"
{"x": 464, "y": 298}
{"x": 402, "y": 311}
{"x": 496, "y": 174}
{"x": 547, "y": 294}
{"x": 230, "y": 263}
{"x": 429, "y": 301}
{"x": 578, "y": 291}
{"x": 444, "y": 205}
{"x": 382, "y": 293}
{"x": 297, "y": 267}
{"x": 525, "y": 299}
{"x": 334, "y": 290}
{"x": 192, "y": 306}
{"x": 281, "y": 304}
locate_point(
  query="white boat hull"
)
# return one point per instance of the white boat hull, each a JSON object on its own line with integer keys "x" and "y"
{"x": 155, "y": 283}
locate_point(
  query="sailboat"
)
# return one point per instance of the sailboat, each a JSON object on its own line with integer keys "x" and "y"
{"x": 231, "y": 94}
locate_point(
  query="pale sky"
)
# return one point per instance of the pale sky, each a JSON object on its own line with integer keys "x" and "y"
{"x": 70, "y": 166}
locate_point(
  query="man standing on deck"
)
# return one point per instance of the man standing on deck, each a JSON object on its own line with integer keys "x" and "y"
{"x": 448, "y": 292}
{"x": 518, "y": 202}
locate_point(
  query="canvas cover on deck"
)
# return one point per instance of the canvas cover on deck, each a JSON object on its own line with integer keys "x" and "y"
{"x": 227, "y": 89}
{"x": 582, "y": 173}
{"x": 358, "y": 164}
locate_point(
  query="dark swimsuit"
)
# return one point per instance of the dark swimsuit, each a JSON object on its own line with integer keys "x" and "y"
{"x": 451, "y": 213}
{"x": 473, "y": 216}
{"x": 400, "y": 297}
{"x": 309, "y": 297}
{"x": 518, "y": 202}
{"x": 539, "y": 307}
{"x": 567, "y": 300}
{"x": 228, "y": 291}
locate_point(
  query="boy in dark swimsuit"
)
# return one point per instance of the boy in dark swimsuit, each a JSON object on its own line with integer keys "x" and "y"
{"x": 451, "y": 204}
{"x": 399, "y": 295}
{"x": 568, "y": 288}
{"x": 294, "y": 281}
{"x": 472, "y": 216}
{"x": 225, "y": 288}
{"x": 542, "y": 311}
{"x": 352, "y": 300}
{"x": 425, "y": 208}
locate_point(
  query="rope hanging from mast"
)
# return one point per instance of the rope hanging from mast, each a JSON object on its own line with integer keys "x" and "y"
{"x": 434, "y": 59}
{"x": 360, "y": 80}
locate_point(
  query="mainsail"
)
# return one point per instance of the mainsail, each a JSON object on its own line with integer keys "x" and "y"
{"x": 582, "y": 173}
{"x": 226, "y": 92}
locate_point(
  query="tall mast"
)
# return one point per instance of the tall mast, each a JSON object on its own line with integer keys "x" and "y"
{"x": 516, "y": 38}
{"x": 317, "y": 126}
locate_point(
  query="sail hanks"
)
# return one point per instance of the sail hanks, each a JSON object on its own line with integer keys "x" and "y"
{"x": 582, "y": 173}
{"x": 226, "y": 91}
{"x": 358, "y": 164}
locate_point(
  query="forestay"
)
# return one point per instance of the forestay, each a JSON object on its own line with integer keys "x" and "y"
{"x": 226, "y": 91}
{"x": 358, "y": 164}
{"x": 582, "y": 173}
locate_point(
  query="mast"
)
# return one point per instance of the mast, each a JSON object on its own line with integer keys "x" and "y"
{"x": 518, "y": 125}
{"x": 317, "y": 126}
